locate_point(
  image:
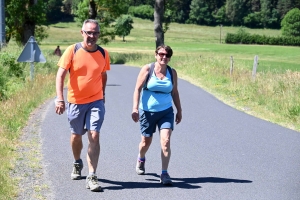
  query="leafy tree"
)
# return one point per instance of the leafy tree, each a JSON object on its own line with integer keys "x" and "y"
{"x": 54, "y": 11}
{"x": 180, "y": 10}
{"x": 269, "y": 14}
{"x": 253, "y": 20}
{"x": 200, "y": 13}
{"x": 25, "y": 19}
{"x": 123, "y": 26}
{"x": 283, "y": 6}
{"x": 142, "y": 11}
{"x": 255, "y": 5}
{"x": 236, "y": 10}
{"x": 290, "y": 24}
{"x": 70, "y": 6}
{"x": 140, "y": 2}
{"x": 103, "y": 10}
{"x": 221, "y": 17}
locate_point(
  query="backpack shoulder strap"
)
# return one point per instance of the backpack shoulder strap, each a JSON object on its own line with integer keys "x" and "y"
{"x": 152, "y": 65}
{"x": 101, "y": 50}
{"x": 171, "y": 73}
{"x": 78, "y": 46}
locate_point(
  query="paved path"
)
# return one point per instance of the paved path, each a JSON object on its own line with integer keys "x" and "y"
{"x": 217, "y": 152}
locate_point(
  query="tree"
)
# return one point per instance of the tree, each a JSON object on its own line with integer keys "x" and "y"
{"x": 200, "y": 13}
{"x": 221, "y": 17}
{"x": 269, "y": 14}
{"x": 180, "y": 10}
{"x": 106, "y": 11}
{"x": 283, "y": 6}
{"x": 123, "y": 26}
{"x": 25, "y": 19}
{"x": 54, "y": 11}
{"x": 158, "y": 19}
{"x": 290, "y": 24}
{"x": 236, "y": 10}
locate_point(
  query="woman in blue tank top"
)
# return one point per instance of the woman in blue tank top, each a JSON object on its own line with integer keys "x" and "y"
{"x": 155, "y": 92}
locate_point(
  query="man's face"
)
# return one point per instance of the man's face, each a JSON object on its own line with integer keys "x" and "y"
{"x": 90, "y": 35}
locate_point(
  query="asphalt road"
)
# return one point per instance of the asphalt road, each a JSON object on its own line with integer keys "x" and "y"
{"x": 218, "y": 152}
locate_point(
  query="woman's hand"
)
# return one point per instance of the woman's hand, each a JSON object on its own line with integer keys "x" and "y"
{"x": 178, "y": 117}
{"x": 135, "y": 115}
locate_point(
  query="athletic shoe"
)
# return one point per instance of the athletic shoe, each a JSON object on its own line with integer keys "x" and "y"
{"x": 92, "y": 183}
{"x": 165, "y": 179}
{"x": 76, "y": 173}
{"x": 140, "y": 167}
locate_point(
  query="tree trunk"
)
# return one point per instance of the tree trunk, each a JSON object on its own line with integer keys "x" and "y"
{"x": 158, "y": 20}
{"x": 28, "y": 26}
{"x": 92, "y": 10}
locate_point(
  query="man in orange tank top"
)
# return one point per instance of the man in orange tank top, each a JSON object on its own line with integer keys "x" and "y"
{"x": 87, "y": 64}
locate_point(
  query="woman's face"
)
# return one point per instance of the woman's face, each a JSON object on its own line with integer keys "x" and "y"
{"x": 162, "y": 56}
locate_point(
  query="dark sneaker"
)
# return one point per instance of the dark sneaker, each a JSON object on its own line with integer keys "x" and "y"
{"x": 76, "y": 173}
{"x": 140, "y": 167}
{"x": 165, "y": 179}
{"x": 92, "y": 183}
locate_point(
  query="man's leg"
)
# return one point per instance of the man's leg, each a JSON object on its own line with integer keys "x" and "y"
{"x": 94, "y": 120}
{"x": 92, "y": 160}
{"x": 76, "y": 144}
{"x": 93, "y": 151}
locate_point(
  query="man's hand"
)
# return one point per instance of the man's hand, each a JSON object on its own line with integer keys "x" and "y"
{"x": 60, "y": 107}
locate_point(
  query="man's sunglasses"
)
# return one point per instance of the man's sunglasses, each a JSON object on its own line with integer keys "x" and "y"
{"x": 91, "y": 33}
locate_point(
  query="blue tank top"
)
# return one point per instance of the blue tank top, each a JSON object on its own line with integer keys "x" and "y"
{"x": 158, "y": 96}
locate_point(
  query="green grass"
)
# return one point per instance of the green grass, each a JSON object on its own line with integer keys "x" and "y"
{"x": 199, "y": 57}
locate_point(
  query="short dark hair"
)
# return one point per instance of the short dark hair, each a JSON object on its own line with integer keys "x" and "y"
{"x": 165, "y": 47}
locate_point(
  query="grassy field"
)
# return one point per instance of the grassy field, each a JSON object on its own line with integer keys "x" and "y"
{"x": 200, "y": 56}
{"x": 189, "y": 40}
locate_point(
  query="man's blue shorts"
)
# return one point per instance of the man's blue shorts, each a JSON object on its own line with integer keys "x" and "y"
{"x": 149, "y": 120}
{"x": 84, "y": 117}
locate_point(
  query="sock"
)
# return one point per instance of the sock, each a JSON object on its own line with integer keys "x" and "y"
{"x": 92, "y": 173}
{"x": 142, "y": 159}
{"x": 78, "y": 161}
{"x": 164, "y": 171}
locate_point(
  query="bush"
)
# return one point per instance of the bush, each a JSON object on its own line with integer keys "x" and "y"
{"x": 242, "y": 37}
{"x": 144, "y": 12}
{"x": 10, "y": 70}
{"x": 290, "y": 24}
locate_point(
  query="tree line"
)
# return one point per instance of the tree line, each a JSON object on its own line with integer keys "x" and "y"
{"x": 249, "y": 13}
{"x": 28, "y": 17}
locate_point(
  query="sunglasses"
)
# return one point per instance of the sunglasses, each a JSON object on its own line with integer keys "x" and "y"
{"x": 164, "y": 54}
{"x": 91, "y": 33}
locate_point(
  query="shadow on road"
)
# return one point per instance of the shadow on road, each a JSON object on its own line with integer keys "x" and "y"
{"x": 185, "y": 183}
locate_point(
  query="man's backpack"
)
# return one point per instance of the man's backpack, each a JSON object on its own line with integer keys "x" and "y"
{"x": 78, "y": 45}
{"x": 151, "y": 72}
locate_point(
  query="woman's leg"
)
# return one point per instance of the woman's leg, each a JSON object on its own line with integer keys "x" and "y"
{"x": 165, "y": 142}
{"x": 144, "y": 146}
